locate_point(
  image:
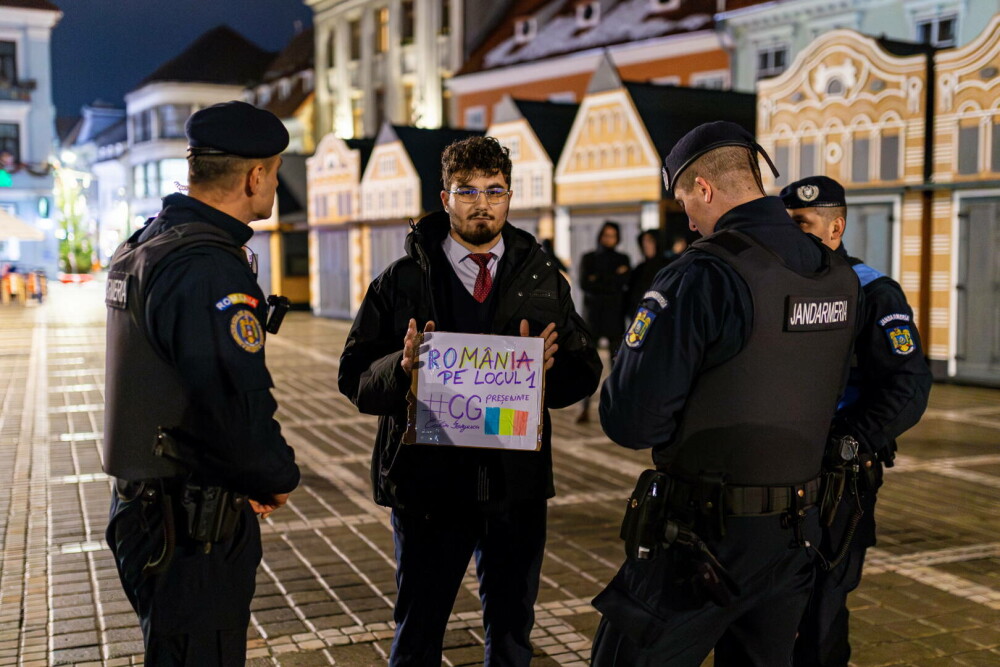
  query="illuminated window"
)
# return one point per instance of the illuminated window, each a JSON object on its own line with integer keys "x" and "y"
{"x": 173, "y": 172}
{"x": 382, "y": 32}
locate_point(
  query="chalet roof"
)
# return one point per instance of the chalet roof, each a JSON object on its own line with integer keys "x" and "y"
{"x": 551, "y": 123}
{"x": 363, "y": 146}
{"x": 220, "y": 56}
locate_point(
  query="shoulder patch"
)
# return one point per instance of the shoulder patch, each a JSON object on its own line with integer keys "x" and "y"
{"x": 900, "y": 339}
{"x": 235, "y": 300}
{"x": 246, "y": 332}
{"x": 637, "y": 331}
{"x": 657, "y": 297}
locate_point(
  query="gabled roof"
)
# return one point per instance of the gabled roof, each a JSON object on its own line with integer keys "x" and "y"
{"x": 299, "y": 55}
{"x": 30, "y": 4}
{"x": 424, "y": 148}
{"x": 551, "y": 123}
{"x": 559, "y": 33}
{"x": 113, "y": 134}
{"x": 670, "y": 112}
{"x": 220, "y": 56}
{"x": 364, "y": 147}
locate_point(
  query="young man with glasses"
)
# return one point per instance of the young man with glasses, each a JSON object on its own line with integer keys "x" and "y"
{"x": 465, "y": 270}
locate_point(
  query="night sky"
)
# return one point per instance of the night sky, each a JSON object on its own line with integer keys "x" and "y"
{"x": 102, "y": 49}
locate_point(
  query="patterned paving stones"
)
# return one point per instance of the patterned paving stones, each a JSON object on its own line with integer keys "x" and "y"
{"x": 931, "y": 594}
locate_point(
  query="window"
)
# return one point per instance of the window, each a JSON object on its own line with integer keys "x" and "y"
{"x": 172, "y": 118}
{"x": 173, "y": 171}
{"x": 588, "y": 14}
{"x": 859, "y": 159}
{"x": 938, "y": 31}
{"x": 835, "y": 88}
{"x": 144, "y": 180}
{"x": 537, "y": 186}
{"x": 358, "y": 117}
{"x": 10, "y": 140}
{"x": 8, "y": 62}
{"x": 142, "y": 126}
{"x": 296, "y": 252}
{"x": 514, "y": 144}
{"x": 968, "y": 149}
{"x": 475, "y": 118}
{"x": 889, "y": 158}
{"x": 379, "y": 105}
{"x": 524, "y": 30}
{"x": 354, "y": 29}
{"x": 382, "y": 30}
{"x": 771, "y": 61}
{"x": 387, "y": 165}
{"x": 331, "y": 50}
{"x": 807, "y": 159}
{"x": 445, "y": 17}
{"x": 408, "y": 27}
{"x": 714, "y": 82}
{"x": 995, "y": 158}
{"x": 782, "y": 161}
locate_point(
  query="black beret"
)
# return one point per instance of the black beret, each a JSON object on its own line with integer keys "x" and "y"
{"x": 235, "y": 128}
{"x": 813, "y": 191}
{"x": 702, "y": 139}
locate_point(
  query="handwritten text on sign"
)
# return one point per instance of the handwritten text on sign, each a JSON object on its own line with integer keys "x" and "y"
{"x": 474, "y": 390}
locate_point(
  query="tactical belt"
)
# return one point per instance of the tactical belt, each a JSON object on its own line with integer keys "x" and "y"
{"x": 743, "y": 500}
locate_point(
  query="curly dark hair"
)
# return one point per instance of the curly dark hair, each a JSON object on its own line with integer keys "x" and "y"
{"x": 483, "y": 155}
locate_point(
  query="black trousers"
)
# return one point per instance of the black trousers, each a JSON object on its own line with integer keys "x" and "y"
{"x": 196, "y": 612}
{"x": 432, "y": 555}
{"x": 652, "y": 616}
{"x": 823, "y": 632}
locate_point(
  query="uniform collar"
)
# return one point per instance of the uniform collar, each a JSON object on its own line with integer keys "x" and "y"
{"x": 761, "y": 211}
{"x": 182, "y": 208}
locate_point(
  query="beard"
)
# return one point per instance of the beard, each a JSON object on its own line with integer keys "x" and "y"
{"x": 477, "y": 231}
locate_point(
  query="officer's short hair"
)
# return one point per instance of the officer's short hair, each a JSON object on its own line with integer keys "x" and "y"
{"x": 727, "y": 163}
{"x": 831, "y": 213}
{"x": 223, "y": 171}
{"x": 473, "y": 155}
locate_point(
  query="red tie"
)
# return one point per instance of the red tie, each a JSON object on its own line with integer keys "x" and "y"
{"x": 484, "y": 281}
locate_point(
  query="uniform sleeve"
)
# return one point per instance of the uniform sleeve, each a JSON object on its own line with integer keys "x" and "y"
{"x": 698, "y": 315}
{"x": 577, "y": 368}
{"x": 370, "y": 372}
{"x": 204, "y": 312}
{"x": 894, "y": 378}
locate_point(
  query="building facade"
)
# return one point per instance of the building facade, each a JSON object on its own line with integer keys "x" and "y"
{"x": 766, "y": 37}
{"x": 27, "y": 125}
{"x": 914, "y": 136}
{"x": 387, "y": 60}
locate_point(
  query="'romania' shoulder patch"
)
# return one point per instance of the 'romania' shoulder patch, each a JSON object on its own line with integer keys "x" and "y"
{"x": 636, "y": 333}
{"x": 235, "y": 300}
{"x": 245, "y": 330}
{"x": 900, "y": 339}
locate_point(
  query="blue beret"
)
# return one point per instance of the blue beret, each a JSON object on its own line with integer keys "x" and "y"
{"x": 813, "y": 191}
{"x": 705, "y": 138}
{"x": 235, "y": 128}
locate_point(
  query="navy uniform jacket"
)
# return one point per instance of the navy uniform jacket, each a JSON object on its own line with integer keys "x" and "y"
{"x": 706, "y": 320}
{"x": 190, "y": 321}
{"x": 889, "y": 385}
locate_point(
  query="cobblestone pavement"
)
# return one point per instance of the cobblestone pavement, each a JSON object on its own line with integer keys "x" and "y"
{"x": 931, "y": 594}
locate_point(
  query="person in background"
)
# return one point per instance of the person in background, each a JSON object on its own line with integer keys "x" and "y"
{"x": 604, "y": 273}
{"x": 641, "y": 277}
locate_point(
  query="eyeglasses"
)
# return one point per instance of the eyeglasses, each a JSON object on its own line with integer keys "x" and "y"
{"x": 471, "y": 195}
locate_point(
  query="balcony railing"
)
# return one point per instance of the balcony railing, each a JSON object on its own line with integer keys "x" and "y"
{"x": 19, "y": 91}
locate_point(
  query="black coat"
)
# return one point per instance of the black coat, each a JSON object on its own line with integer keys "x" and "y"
{"x": 429, "y": 477}
{"x": 604, "y": 274}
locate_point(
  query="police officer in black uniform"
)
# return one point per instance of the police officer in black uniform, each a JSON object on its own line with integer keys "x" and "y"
{"x": 886, "y": 395}
{"x": 190, "y": 435}
{"x": 730, "y": 372}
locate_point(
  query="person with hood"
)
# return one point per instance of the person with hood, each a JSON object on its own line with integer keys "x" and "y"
{"x": 604, "y": 274}
{"x": 642, "y": 275}
{"x": 468, "y": 270}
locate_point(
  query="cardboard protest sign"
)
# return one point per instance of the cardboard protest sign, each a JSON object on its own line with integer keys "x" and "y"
{"x": 473, "y": 390}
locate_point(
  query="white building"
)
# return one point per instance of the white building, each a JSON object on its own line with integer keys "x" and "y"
{"x": 27, "y": 125}
{"x": 387, "y": 60}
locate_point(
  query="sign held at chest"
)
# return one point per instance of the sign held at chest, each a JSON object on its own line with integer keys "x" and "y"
{"x": 474, "y": 390}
